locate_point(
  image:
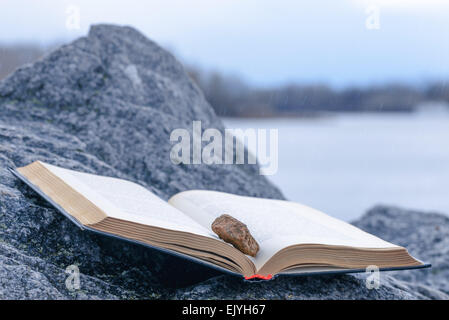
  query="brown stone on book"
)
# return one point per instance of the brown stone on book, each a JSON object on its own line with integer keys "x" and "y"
{"x": 236, "y": 233}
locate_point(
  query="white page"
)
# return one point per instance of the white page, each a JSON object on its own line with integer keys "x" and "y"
{"x": 126, "y": 200}
{"x": 275, "y": 224}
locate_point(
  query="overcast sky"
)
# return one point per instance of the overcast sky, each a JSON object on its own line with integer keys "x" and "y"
{"x": 266, "y": 42}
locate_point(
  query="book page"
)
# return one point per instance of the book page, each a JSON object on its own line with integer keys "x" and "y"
{"x": 275, "y": 224}
{"x": 129, "y": 201}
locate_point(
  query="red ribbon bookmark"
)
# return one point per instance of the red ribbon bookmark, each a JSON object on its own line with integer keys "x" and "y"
{"x": 258, "y": 276}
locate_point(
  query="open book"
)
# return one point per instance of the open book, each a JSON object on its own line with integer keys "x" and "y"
{"x": 293, "y": 238}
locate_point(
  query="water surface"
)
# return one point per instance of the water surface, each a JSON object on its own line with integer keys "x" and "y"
{"x": 346, "y": 164}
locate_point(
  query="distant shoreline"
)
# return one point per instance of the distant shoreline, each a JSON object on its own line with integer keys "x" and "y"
{"x": 441, "y": 109}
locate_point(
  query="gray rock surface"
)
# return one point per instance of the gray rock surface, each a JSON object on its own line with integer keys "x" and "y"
{"x": 106, "y": 104}
{"x": 304, "y": 288}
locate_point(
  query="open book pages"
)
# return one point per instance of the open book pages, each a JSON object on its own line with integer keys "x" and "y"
{"x": 292, "y": 237}
{"x": 275, "y": 224}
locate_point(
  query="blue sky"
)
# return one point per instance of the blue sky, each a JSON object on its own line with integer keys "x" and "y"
{"x": 266, "y": 42}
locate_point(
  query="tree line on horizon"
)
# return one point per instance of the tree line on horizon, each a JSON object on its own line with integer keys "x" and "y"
{"x": 231, "y": 96}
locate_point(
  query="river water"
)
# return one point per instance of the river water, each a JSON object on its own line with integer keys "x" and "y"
{"x": 347, "y": 163}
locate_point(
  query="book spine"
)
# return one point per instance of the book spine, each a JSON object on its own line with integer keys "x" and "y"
{"x": 259, "y": 277}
